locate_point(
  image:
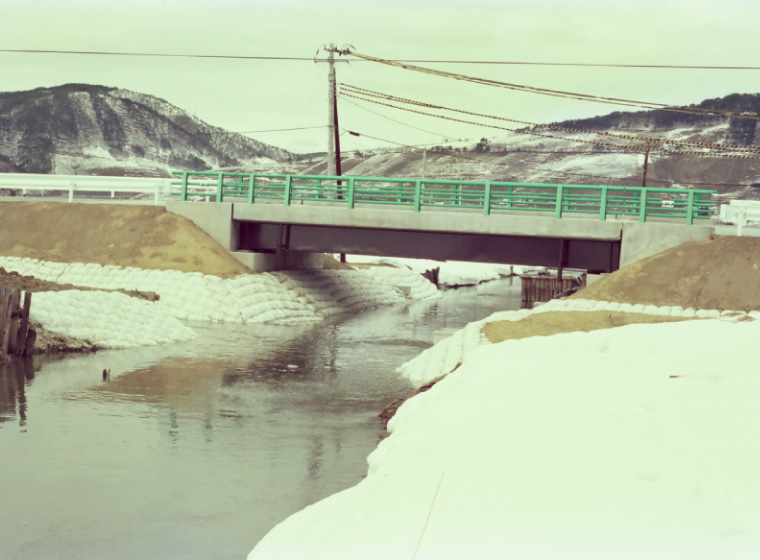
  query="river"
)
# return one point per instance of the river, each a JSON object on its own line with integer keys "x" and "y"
{"x": 196, "y": 450}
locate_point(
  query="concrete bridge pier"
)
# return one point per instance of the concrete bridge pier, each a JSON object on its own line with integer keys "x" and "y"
{"x": 216, "y": 220}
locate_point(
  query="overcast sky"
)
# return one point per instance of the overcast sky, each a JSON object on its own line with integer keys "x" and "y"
{"x": 245, "y": 95}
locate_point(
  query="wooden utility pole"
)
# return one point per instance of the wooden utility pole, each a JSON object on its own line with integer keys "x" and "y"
{"x": 333, "y": 132}
{"x": 646, "y": 164}
{"x": 330, "y": 48}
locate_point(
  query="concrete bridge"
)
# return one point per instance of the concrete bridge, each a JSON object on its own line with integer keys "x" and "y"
{"x": 287, "y": 221}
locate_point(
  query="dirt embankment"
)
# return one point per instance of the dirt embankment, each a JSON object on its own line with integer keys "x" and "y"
{"x": 122, "y": 235}
{"x": 111, "y": 234}
{"x": 723, "y": 273}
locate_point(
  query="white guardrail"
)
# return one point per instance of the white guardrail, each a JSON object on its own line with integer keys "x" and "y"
{"x": 75, "y": 184}
{"x": 740, "y": 212}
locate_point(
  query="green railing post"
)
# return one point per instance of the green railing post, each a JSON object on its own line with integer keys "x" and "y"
{"x": 351, "y": 192}
{"x": 603, "y": 205}
{"x": 417, "y": 195}
{"x": 288, "y": 190}
{"x": 251, "y": 188}
{"x": 558, "y": 207}
{"x": 510, "y": 196}
{"x": 690, "y": 208}
{"x": 219, "y": 185}
{"x": 184, "y": 186}
{"x": 319, "y": 188}
{"x": 487, "y": 199}
{"x": 643, "y": 203}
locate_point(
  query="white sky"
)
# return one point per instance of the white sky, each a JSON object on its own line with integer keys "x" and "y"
{"x": 247, "y": 95}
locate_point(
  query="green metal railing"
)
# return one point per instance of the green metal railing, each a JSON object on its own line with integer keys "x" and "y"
{"x": 487, "y": 196}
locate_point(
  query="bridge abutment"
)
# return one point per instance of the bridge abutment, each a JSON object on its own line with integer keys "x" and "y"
{"x": 216, "y": 220}
{"x": 642, "y": 240}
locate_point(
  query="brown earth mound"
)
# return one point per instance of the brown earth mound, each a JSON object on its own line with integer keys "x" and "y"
{"x": 116, "y": 234}
{"x": 723, "y": 273}
{"x": 555, "y": 322}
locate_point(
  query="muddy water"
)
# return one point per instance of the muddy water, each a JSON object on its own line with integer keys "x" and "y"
{"x": 196, "y": 450}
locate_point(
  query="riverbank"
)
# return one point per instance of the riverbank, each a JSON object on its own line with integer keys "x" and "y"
{"x": 84, "y": 260}
{"x": 633, "y": 441}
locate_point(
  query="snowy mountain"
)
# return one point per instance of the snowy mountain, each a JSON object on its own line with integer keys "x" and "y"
{"x": 96, "y": 130}
{"x": 607, "y": 150}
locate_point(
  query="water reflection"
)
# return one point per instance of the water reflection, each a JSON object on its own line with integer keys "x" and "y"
{"x": 196, "y": 450}
{"x": 15, "y": 376}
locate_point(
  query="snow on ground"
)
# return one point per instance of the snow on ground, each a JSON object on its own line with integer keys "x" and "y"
{"x": 634, "y": 442}
{"x": 107, "y": 319}
{"x": 442, "y": 358}
{"x": 451, "y": 274}
{"x": 608, "y": 164}
{"x": 282, "y": 297}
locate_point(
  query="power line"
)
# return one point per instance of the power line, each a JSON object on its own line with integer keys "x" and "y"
{"x": 270, "y": 130}
{"x": 646, "y": 148}
{"x": 396, "y": 121}
{"x": 560, "y": 93}
{"x": 649, "y": 140}
{"x": 403, "y": 61}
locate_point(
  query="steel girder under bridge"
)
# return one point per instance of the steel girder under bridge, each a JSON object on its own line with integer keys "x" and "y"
{"x": 593, "y": 255}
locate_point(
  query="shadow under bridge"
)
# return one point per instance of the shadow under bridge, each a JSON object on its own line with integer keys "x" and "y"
{"x": 507, "y": 239}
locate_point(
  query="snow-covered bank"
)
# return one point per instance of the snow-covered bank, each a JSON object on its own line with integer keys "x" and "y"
{"x": 107, "y": 319}
{"x": 283, "y": 297}
{"x": 451, "y": 273}
{"x": 633, "y": 442}
{"x": 449, "y": 352}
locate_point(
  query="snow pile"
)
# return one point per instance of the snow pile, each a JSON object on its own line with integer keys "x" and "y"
{"x": 451, "y": 352}
{"x": 287, "y": 297}
{"x": 456, "y": 273}
{"x": 442, "y": 358}
{"x": 451, "y": 273}
{"x": 107, "y": 319}
{"x": 634, "y": 442}
{"x": 283, "y": 297}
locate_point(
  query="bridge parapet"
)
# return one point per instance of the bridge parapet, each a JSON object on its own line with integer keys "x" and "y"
{"x": 557, "y": 200}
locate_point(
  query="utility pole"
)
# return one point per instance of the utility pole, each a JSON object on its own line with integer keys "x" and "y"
{"x": 331, "y": 105}
{"x": 333, "y": 132}
{"x": 646, "y": 164}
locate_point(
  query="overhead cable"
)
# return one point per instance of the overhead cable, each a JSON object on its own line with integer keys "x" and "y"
{"x": 559, "y": 93}
{"x": 564, "y": 139}
{"x": 405, "y": 61}
{"x": 709, "y": 145}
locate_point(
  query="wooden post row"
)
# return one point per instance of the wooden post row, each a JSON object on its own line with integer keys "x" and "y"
{"x": 16, "y": 338}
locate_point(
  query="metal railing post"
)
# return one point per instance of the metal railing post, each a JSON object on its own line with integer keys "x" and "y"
{"x": 487, "y": 199}
{"x": 251, "y": 188}
{"x": 417, "y": 195}
{"x": 219, "y": 184}
{"x": 351, "y": 192}
{"x": 510, "y": 196}
{"x": 183, "y": 195}
{"x": 643, "y": 208}
{"x": 603, "y": 205}
{"x": 690, "y": 208}
{"x": 288, "y": 190}
{"x": 558, "y": 207}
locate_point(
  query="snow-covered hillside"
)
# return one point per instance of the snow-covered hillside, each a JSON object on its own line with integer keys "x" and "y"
{"x": 84, "y": 129}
